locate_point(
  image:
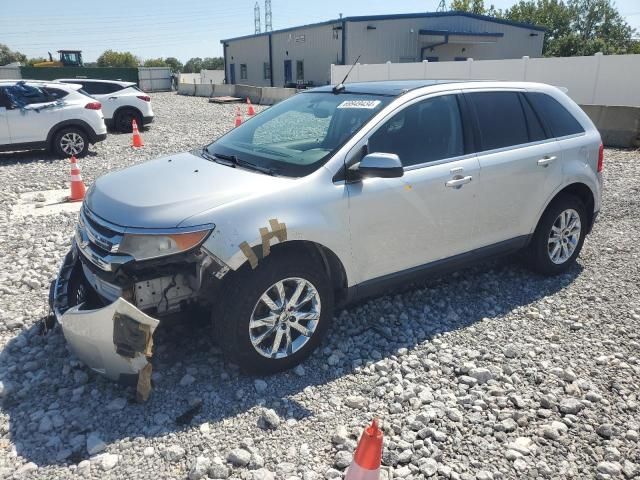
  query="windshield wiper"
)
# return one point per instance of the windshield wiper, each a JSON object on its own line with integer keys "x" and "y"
{"x": 237, "y": 162}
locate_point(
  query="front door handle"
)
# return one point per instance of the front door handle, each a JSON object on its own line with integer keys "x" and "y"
{"x": 458, "y": 182}
{"x": 546, "y": 160}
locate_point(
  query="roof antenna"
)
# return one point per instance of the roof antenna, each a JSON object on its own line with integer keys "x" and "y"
{"x": 340, "y": 87}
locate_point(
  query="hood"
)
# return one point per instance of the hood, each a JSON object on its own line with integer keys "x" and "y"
{"x": 163, "y": 193}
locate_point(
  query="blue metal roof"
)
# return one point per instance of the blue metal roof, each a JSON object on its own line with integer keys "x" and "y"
{"x": 391, "y": 88}
{"x": 370, "y": 18}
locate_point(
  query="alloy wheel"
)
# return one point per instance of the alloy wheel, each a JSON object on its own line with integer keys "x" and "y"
{"x": 71, "y": 143}
{"x": 285, "y": 318}
{"x": 564, "y": 236}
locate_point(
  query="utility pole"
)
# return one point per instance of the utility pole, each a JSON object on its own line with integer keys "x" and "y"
{"x": 256, "y": 18}
{"x": 268, "y": 21}
{"x": 442, "y": 6}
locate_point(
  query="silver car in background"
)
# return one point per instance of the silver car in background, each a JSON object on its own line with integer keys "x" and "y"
{"x": 333, "y": 195}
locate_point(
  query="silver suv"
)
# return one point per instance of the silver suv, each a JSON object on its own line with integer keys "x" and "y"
{"x": 335, "y": 194}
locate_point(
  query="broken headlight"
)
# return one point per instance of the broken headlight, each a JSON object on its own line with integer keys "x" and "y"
{"x": 148, "y": 246}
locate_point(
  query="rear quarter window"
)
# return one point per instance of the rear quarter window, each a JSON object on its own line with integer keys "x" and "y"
{"x": 559, "y": 120}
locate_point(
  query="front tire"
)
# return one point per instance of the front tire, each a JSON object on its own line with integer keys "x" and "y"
{"x": 559, "y": 236}
{"x": 273, "y": 317}
{"x": 71, "y": 141}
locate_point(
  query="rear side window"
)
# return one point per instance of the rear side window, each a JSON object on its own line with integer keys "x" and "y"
{"x": 98, "y": 88}
{"x": 558, "y": 118}
{"x": 55, "y": 93}
{"x": 501, "y": 119}
{"x": 426, "y": 131}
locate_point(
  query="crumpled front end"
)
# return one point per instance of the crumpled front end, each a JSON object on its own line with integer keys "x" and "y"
{"x": 115, "y": 340}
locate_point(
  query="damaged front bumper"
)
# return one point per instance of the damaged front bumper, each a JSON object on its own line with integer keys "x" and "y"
{"x": 115, "y": 340}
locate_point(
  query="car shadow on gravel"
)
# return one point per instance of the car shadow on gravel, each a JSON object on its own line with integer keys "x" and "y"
{"x": 53, "y": 402}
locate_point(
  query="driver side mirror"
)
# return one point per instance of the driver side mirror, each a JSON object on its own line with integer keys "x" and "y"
{"x": 378, "y": 165}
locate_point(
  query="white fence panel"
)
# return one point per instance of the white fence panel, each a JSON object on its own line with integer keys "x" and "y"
{"x": 189, "y": 78}
{"x": 154, "y": 79}
{"x": 498, "y": 70}
{"x": 596, "y": 80}
{"x": 618, "y": 80}
{"x": 212, "y": 76}
{"x": 577, "y": 74}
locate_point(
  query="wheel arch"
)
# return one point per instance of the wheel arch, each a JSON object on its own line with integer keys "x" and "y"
{"x": 124, "y": 108}
{"x": 80, "y": 124}
{"x": 583, "y": 192}
{"x": 322, "y": 255}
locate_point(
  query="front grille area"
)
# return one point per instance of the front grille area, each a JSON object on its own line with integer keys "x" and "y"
{"x": 99, "y": 241}
{"x": 99, "y": 233}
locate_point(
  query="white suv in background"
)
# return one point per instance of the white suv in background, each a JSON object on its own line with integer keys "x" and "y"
{"x": 48, "y": 115}
{"x": 122, "y": 102}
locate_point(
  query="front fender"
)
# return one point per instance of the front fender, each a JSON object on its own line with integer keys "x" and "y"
{"x": 316, "y": 210}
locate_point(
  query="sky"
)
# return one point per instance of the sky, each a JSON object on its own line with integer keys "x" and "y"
{"x": 182, "y": 29}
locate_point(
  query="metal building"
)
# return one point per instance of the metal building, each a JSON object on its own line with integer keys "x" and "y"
{"x": 303, "y": 55}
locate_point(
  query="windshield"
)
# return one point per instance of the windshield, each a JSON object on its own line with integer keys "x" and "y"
{"x": 295, "y": 137}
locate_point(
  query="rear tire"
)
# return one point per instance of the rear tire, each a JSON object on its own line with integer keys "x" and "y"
{"x": 559, "y": 236}
{"x": 242, "y": 306}
{"x": 70, "y": 141}
{"x": 123, "y": 119}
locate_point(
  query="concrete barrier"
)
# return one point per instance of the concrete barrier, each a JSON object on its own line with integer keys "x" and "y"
{"x": 204, "y": 89}
{"x": 186, "y": 88}
{"x": 253, "y": 93}
{"x": 258, "y": 95}
{"x": 224, "y": 90}
{"x": 619, "y": 126}
{"x": 272, "y": 95}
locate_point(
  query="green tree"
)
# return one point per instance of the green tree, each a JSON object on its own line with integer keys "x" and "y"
{"x": 174, "y": 63}
{"x": 155, "y": 62}
{"x": 9, "y": 56}
{"x": 111, "y": 58}
{"x": 213, "y": 63}
{"x": 576, "y": 27}
{"x": 471, "y": 6}
{"x": 193, "y": 65}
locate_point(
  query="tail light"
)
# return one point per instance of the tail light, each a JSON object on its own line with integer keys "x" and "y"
{"x": 144, "y": 98}
{"x": 601, "y": 158}
{"x": 93, "y": 106}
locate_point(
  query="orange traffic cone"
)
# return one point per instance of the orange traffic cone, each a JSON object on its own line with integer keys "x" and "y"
{"x": 238, "y": 117}
{"x": 77, "y": 185}
{"x": 137, "y": 139}
{"x": 368, "y": 454}
{"x": 250, "y": 111}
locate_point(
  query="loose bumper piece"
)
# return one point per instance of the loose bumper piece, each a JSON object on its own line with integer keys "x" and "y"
{"x": 115, "y": 340}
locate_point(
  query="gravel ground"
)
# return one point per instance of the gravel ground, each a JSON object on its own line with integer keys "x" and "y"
{"x": 491, "y": 373}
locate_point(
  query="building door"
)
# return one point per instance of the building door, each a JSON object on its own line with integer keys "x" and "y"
{"x": 287, "y": 72}
{"x": 232, "y": 73}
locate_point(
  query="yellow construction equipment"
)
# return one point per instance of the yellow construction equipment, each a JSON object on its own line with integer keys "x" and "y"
{"x": 68, "y": 58}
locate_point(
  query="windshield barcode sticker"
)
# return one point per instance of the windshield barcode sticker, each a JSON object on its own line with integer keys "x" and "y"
{"x": 368, "y": 104}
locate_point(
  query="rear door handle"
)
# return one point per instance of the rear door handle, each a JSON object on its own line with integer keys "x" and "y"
{"x": 458, "y": 182}
{"x": 113, "y": 98}
{"x": 546, "y": 160}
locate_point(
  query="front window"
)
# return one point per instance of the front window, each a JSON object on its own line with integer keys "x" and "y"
{"x": 295, "y": 137}
{"x": 243, "y": 71}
